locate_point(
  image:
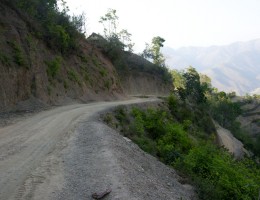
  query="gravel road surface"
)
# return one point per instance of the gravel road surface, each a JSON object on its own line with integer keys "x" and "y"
{"x": 67, "y": 153}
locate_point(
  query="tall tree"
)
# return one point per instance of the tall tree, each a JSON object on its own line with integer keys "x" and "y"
{"x": 153, "y": 51}
{"x": 193, "y": 88}
{"x": 125, "y": 38}
{"x": 110, "y": 22}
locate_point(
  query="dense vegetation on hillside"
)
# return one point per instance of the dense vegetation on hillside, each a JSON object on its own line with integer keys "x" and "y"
{"x": 180, "y": 132}
{"x": 58, "y": 29}
{"x": 118, "y": 46}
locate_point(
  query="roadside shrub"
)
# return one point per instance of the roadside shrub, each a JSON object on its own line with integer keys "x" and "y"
{"x": 59, "y": 30}
{"x": 19, "y": 57}
{"x": 137, "y": 126}
{"x": 53, "y": 66}
{"x": 60, "y": 39}
{"x": 74, "y": 76}
{"x": 145, "y": 144}
{"x": 218, "y": 176}
{"x": 103, "y": 72}
{"x": 173, "y": 143}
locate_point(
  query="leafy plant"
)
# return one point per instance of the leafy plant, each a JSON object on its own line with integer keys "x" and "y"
{"x": 73, "y": 76}
{"x": 56, "y": 27}
{"x": 53, "y": 66}
{"x": 179, "y": 142}
{"x": 19, "y": 57}
{"x": 103, "y": 72}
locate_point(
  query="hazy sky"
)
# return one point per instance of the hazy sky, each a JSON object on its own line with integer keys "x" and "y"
{"x": 179, "y": 22}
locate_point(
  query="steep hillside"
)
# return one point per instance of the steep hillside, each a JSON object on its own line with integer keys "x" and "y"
{"x": 35, "y": 68}
{"x": 233, "y": 67}
{"x": 137, "y": 75}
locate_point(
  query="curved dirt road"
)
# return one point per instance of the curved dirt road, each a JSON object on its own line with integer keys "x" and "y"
{"x": 65, "y": 153}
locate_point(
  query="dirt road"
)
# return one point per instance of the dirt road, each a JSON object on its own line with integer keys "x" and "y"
{"x": 66, "y": 153}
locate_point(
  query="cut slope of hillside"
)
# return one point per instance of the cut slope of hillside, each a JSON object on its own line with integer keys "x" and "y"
{"x": 234, "y": 67}
{"x": 35, "y": 72}
{"x": 229, "y": 142}
{"x": 28, "y": 68}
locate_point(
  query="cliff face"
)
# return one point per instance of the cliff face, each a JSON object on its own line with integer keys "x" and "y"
{"x": 30, "y": 70}
{"x": 141, "y": 83}
{"x": 140, "y": 77}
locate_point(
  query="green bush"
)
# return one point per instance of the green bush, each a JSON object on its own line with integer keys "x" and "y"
{"x": 173, "y": 143}
{"x": 74, "y": 76}
{"x": 183, "y": 145}
{"x": 60, "y": 39}
{"x": 103, "y": 72}
{"x": 19, "y": 57}
{"x": 137, "y": 126}
{"x": 59, "y": 30}
{"x": 145, "y": 144}
{"x": 53, "y": 66}
{"x": 218, "y": 176}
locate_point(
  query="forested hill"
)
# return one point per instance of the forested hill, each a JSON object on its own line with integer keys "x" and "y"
{"x": 45, "y": 59}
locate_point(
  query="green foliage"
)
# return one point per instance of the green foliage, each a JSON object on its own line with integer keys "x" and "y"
{"x": 121, "y": 115}
{"x": 53, "y": 66}
{"x": 74, "y": 76}
{"x": 193, "y": 88}
{"x": 218, "y": 176}
{"x": 19, "y": 57}
{"x": 146, "y": 144}
{"x": 60, "y": 38}
{"x": 177, "y": 139}
{"x": 4, "y": 59}
{"x": 223, "y": 109}
{"x": 57, "y": 28}
{"x": 173, "y": 143}
{"x": 116, "y": 40}
{"x": 137, "y": 127}
{"x": 113, "y": 48}
{"x": 225, "y": 112}
{"x": 103, "y": 72}
{"x": 153, "y": 51}
{"x": 125, "y": 37}
{"x": 110, "y": 23}
{"x": 195, "y": 118}
{"x": 178, "y": 80}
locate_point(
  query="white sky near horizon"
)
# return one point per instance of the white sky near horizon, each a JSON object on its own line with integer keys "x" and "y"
{"x": 179, "y": 22}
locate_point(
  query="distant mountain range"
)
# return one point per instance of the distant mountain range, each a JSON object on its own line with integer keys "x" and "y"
{"x": 234, "y": 67}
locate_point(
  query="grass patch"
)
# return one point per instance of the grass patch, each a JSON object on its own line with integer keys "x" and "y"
{"x": 103, "y": 72}
{"x": 95, "y": 61}
{"x": 53, "y": 66}
{"x": 74, "y": 76}
{"x": 19, "y": 57}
